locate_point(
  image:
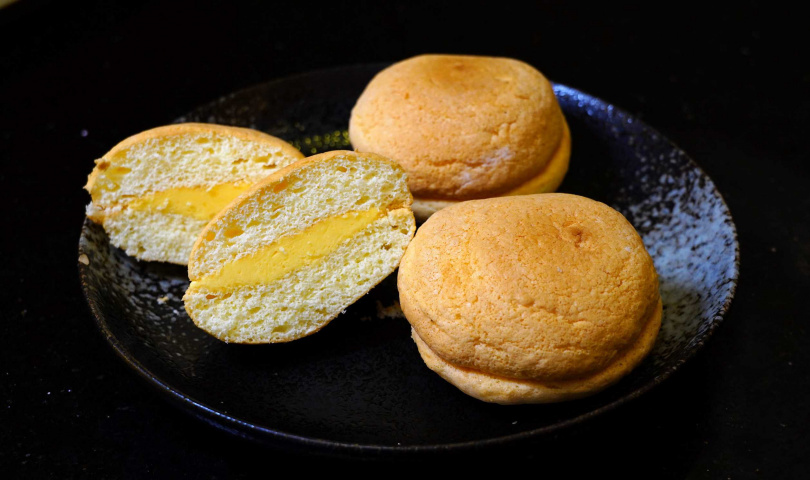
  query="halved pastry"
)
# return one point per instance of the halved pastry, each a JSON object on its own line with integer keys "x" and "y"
{"x": 287, "y": 257}
{"x": 155, "y": 191}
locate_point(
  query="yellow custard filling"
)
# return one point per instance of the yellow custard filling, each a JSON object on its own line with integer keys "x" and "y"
{"x": 198, "y": 202}
{"x": 289, "y": 253}
{"x": 201, "y": 202}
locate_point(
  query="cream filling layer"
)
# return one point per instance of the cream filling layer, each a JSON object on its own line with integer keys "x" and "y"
{"x": 201, "y": 203}
{"x": 289, "y": 253}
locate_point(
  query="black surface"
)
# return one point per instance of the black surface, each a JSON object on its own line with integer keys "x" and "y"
{"x": 728, "y": 83}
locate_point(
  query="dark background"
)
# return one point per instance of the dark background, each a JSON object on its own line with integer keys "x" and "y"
{"x": 729, "y": 83}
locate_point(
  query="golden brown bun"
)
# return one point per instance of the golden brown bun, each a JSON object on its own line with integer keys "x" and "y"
{"x": 547, "y": 181}
{"x": 530, "y": 299}
{"x": 464, "y": 127}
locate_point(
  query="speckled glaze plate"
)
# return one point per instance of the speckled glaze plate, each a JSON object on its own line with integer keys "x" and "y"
{"x": 359, "y": 385}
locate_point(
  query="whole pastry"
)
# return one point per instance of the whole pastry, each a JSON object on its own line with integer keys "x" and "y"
{"x": 464, "y": 127}
{"x": 530, "y": 299}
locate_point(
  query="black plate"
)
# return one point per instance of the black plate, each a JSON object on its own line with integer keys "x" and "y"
{"x": 359, "y": 385}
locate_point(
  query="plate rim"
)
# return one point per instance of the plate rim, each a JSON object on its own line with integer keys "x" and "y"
{"x": 262, "y": 434}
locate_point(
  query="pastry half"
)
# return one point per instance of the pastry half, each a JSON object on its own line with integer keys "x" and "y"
{"x": 464, "y": 127}
{"x": 288, "y": 256}
{"x": 530, "y": 299}
{"x": 155, "y": 191}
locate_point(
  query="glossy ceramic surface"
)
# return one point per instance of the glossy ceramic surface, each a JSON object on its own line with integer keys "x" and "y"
{"x": 359, "y": 385}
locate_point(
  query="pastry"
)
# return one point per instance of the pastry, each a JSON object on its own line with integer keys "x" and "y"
{"x": 464, "y": 127}
{"x": 155, "y": 191}
{"x": 530, "y": 299}
{"x": 287, "y": 257}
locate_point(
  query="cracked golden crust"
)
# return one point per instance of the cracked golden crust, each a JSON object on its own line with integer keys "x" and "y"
{"x": 544, "y": 288}
{"x": 546, "y": 181}
{"x": 463, "y": 127}
{"x": 510, "y": 391}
